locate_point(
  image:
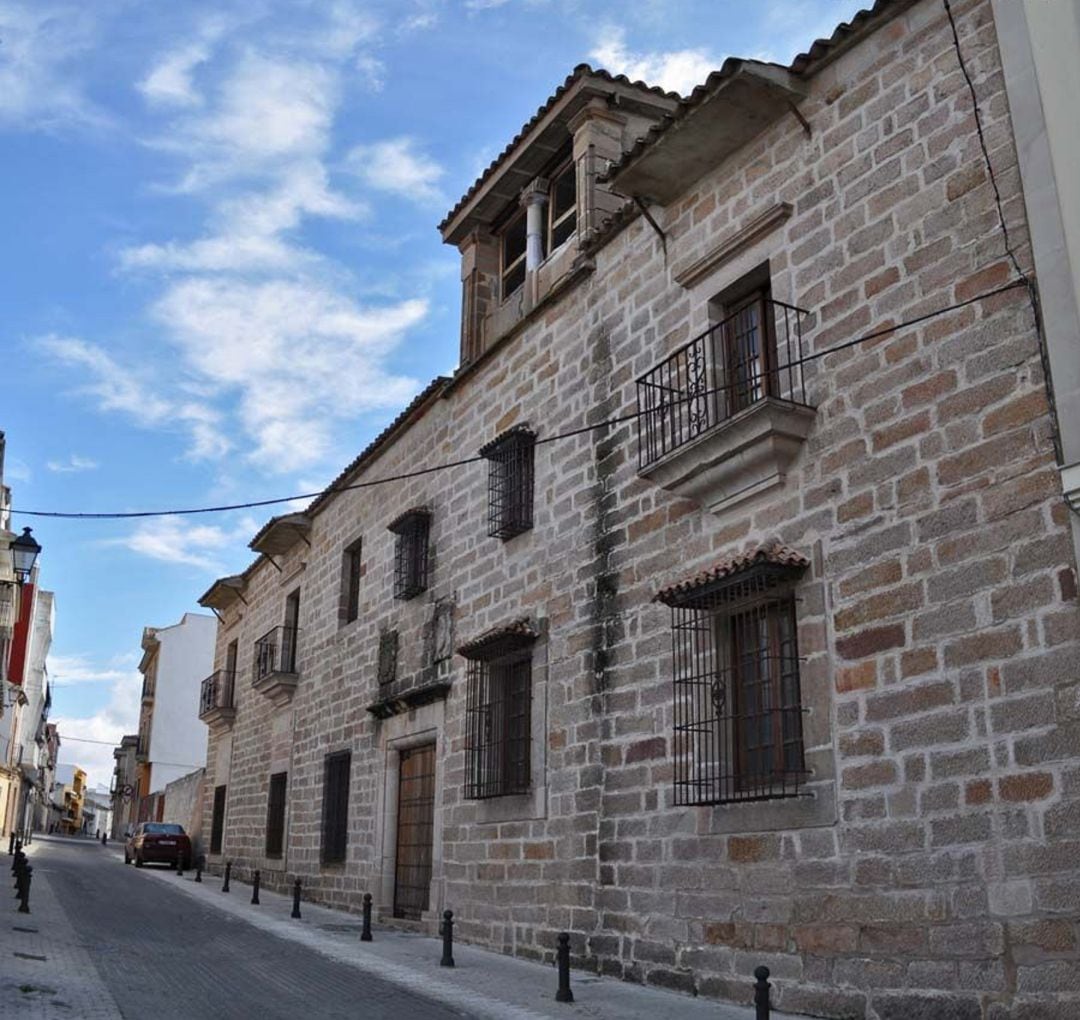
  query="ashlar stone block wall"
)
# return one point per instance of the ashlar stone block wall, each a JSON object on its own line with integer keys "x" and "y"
{"x": 935, "y": 867}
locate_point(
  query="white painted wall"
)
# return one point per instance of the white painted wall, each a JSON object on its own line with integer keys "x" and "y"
{"x": 177, "y": 738}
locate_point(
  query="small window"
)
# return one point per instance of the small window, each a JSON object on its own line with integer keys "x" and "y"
{"x": 388, "y": 654}
{"x": 351, "y": 572}
{"x": 512, "y": 247}
{"x": 412, "y": 529}
{"x": 737, "y": 700}
{"x": 562, "y": 206}
{"x": 498, "y": 712}
{"x": 275, "y": 815}
{"x": 217, "y": 823}
{"x": 510, "y": 482}
{"x": 335, "y": 825}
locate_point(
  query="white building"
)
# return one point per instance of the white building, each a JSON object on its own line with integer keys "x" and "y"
{"x": 172, "y": 740}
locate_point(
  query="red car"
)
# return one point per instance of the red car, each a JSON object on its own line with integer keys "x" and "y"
{"x": 161, "y": 842}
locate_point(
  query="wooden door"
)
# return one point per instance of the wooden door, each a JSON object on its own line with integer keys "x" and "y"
{"x": 415, "y": 831}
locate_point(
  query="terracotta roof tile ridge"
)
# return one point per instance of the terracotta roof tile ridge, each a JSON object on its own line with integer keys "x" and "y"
{"x": 773, "y": 553}
{"x": 521, "y": 628}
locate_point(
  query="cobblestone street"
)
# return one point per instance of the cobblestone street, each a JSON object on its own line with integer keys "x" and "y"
{"x": 105, "y": 941}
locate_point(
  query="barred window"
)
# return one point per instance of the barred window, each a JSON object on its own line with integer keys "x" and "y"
{"x": 388, "y": 652}
{"x": 498, "y": 712}
{"x": 275, "y": 815}
{"x": 411, "y": 557}
{"x": 351, "y": 573}
{"x": 510, "y": 482}
{"x": 737, "y": 700}
{"x": 335, "y": 834}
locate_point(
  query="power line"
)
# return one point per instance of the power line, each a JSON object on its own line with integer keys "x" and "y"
{"x": 463, "y": 462}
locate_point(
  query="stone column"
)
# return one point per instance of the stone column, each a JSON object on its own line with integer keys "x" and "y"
{"x": 535, "y": 199}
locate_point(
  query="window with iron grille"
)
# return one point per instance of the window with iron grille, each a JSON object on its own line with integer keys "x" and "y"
{"x": 217, "y": 821}
{"x": 275, "y": 815}
{"x": 335, "y": 821}
{"x": 388, "y": 649}
{"x": 411, "y": 554}
{"x": 498, "y": 712}
{"x": 737, "y": 701}
{"x": 350, "y": 581}
{"x": 510, "y": 482}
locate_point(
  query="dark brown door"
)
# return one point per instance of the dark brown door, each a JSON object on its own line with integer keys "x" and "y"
{"x": 415, "y": 829}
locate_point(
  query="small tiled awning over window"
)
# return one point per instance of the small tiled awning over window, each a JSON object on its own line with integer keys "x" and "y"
{"x": 499, "y": 641}
{"x": 735, "y": 577}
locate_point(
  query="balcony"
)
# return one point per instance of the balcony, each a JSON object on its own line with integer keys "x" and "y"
{"x": 216, "y": 707}
{"x": 274, "y": 672}
{"x": 723, "y": 417}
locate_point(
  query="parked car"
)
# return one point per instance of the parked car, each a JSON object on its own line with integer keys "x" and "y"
{"x": 161, "y": 842}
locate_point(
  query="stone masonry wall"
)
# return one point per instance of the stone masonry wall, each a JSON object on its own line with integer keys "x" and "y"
{"x": 935, "y": 868}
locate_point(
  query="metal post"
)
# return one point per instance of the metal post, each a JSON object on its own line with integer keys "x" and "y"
{"x": 761, "y": 993}
{"x": 179, "y": 862}
{"x": 18, "y": 850}
{"x": 563, "y": 959}
{"x": 296, "y": 900}
{"x": 365, "y": 933}
{"x": 447, "y": 939}
{"x": 228, "y": 873}
{"x": 18, "y": 864}
{"x": 255, "y": 889}
{"x": 200, "y": 863}
{"x": 11, "y": 843}
{"x": 28, "y": 873}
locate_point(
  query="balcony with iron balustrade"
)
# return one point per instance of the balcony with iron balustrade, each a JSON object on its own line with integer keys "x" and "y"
{"x": 274, "y": 671}
{"x": 723, "y": 417}
{"x": 216, "y": 706}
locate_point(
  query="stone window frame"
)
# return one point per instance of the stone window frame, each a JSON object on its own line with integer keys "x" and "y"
{"x": 511, "y": 458}
{"x": 275, "y": 814}
{"x": 412, "y": 552}
{"x": 334, "y": 827}
{"x": 352, "y": 574}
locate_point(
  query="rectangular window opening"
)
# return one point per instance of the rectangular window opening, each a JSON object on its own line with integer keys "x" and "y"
{"x": 351, "y": 573}
{"x": 511, "y": 480}
{"x": 411, "y": 552}
{"x": 217, "y": 821}
{"x": 335, "y": 825}
{"x": 275, "y": 815}
{"x": 512, "y": 251}
{"x": 498, "y": 726}
{"x": 562, "y": 206}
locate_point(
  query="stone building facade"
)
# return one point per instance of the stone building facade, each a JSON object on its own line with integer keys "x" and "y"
{"x": 722, "y": 650}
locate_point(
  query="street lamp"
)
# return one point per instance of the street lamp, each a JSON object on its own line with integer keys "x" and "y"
{"x": 24, "y": 552}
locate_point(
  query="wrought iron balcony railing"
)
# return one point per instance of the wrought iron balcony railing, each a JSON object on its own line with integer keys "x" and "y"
{"x": 217, "y": 691}
{"x": 754, "y": 354}
{"x": 275, "y": 652}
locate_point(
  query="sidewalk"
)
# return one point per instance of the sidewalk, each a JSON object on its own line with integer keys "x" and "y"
{"x": 45, "y": 972}
{"x": 482, "y": 983}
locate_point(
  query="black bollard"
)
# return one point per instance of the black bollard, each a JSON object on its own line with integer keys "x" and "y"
{"x": 562, "y": 957}
{"x": 104, "y": 838}
{"x": 18, "y": 851}
{"x": 296, "y": 900}
{"x": 228, "y": 872}
{"x": 447, "y": 939}
{"x": 761, "y": 993}
{"x": 200, "y": 863}
{"x": 365, "y": 932}
{"x": 11, "y": 843}
{"x": 24, "y": 906}
{"x": 255, "y": 889}
{"x": 179, "y": 862}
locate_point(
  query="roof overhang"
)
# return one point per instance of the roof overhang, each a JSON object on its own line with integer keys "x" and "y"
{"x": 223, "y": 592}
{"x": 736, "y": 104}
{"x": 540, "y": 141}
{"x": 279, "y": 534}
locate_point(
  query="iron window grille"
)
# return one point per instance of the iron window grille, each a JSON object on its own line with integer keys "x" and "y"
{"x": 335, "y": 820}
{"x": 275, "y": 815}
{"x": 351, "y": 577}
{"x": 498, "y": 713}
{"x": 511, "y": 481}
{"x": 738, "y": 714}
{"x": 754, "y": 353}
{"x": 275, "y": 652}
{"x": 411, "y": 552}
{"x": 217, "y": 820}
{"x": 388, "y": 655}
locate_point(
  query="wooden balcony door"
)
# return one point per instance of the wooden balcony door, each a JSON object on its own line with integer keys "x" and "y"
{"x": 415, "y": 831}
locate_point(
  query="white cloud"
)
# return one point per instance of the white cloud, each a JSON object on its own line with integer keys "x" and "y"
{"x": 118, "y": 389}
{"x": 73, "y": 464}
{"x": 169, "y": 82}
{"x": 395, "y": 166}
{"x": 76, "y": 670}
{"x": 301, "y": 356}
{"x": 184, "y": 541}
{"x": 484, "y": 5}
{"x": 419, "y": 22}
{"x": 39, "y": 43}
{"x": 373, "y": 70}
{"x": 673, "y": 70}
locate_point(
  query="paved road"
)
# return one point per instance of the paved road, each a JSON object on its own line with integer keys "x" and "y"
{"x": 161, "y": 954}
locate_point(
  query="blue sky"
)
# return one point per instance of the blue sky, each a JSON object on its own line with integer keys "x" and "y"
{"x": 220, "y": 274}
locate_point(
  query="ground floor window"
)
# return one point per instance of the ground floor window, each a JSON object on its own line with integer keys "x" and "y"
{"x": 217, "y": 822}
{"x": 275, "y": 815}
{"x": 335, "y": 827}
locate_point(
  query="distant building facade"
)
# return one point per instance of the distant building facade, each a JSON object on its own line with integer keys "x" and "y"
{"x": 752, "y": 635}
